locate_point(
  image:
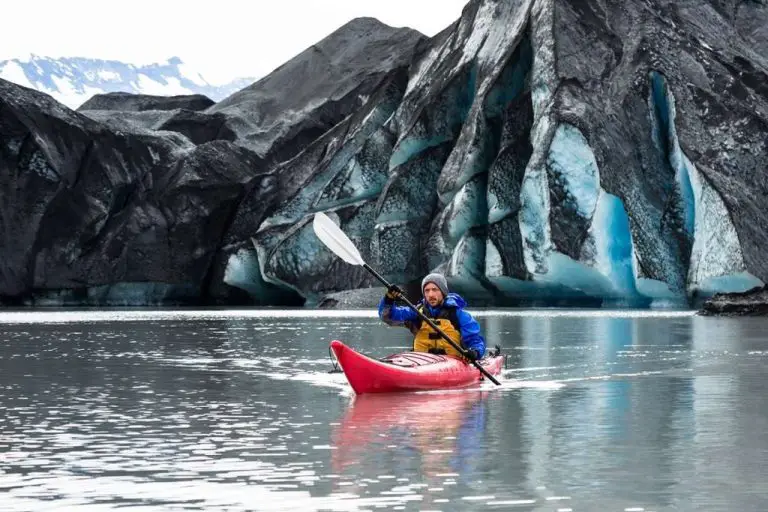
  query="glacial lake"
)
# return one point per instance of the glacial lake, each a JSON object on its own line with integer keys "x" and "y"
{"x": 236, "y": 410}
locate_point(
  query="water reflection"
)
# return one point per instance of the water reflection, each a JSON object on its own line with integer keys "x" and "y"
{"x": 438, "y": 439}
{"x": 596, "y": 413}
{"x": 444, "y": 429}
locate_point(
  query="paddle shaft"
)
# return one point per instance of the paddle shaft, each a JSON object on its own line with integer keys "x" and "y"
{"x": 432, "y": 324}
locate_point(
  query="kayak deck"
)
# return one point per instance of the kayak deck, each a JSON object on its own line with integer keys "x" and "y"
{"x": 409, "y": 371}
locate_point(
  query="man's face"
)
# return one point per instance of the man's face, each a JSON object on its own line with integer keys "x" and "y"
{"x": 433, "y": 295}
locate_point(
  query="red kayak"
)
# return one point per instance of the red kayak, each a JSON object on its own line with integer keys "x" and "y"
{"x": 409, "y": 371}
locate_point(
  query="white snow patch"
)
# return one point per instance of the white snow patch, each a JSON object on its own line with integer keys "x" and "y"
{"x": 68, "y": 94}
{"x": 13, "y": 72}
{"x": 107, "y": 76}
{"x": 147, "y": 85}
{"x": 64, "y": 85}
{"x": 190, "y": 74}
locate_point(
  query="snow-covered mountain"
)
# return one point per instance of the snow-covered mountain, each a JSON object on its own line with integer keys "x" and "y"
{"x": 73, "y": 80}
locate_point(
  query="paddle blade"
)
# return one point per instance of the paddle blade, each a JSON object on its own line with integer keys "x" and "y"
{"x": 335, "y": 239}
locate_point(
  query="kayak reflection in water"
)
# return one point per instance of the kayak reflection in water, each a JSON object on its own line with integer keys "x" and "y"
{"x": 445, "y": 309}
{"x": 382, "y": 432}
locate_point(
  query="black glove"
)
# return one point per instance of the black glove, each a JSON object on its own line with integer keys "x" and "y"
{"x": 472, "y": 354}
{"x": 393, "y": 292}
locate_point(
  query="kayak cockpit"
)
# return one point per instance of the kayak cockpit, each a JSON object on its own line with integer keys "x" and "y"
{"x": 413, "y": 359}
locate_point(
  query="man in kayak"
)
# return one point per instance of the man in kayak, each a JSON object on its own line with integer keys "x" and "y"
{"x": 444, "y": 309}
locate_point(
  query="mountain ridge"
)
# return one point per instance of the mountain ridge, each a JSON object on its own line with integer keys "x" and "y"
{"x": 74, "y": 80}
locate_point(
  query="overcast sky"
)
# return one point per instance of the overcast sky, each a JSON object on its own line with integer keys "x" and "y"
{"x": 221, "y": 39}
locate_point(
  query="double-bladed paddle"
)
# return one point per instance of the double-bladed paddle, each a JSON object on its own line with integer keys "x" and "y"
{"x": 338, "y": 242}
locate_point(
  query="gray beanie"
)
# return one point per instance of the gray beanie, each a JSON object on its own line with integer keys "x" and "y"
{"x": 438, "y": 280}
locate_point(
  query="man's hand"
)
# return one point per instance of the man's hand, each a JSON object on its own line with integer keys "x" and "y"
{"x": 394, "y": 292}
{"x": 472, "y": 354}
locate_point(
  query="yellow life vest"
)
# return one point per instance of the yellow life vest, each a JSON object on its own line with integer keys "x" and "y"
{"x": 426, "y": 337}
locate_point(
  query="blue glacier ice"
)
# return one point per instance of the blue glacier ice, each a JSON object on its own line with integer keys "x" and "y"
{"x": 665, "y": 137}
{"x": 512, "y": 81}
{"x": 463, "y": 184}
{"x": 363, "y": 177}
{"x": 125, "y": 294}
{"x": 466, "y": 267}
{"x": 477, "y": 146}
{"x": 467, "y": 208}
{"x": 613, "y": 244}
{"x": 716, "y": 262}
{"x": 243, "y": 271}
{"x": 571, "y": 158}
{"x": 299, "y": 253}
{"x": 739, "y": 282}
{"x": 140, "y": 293}
{"x": 342, "y": 148}
{"x": 660, "y": 293}
{"x": 419, "y": 131}
{"x": 606, "y": 268}
{"x": 410, "y": 147}
{"x": 576, "y": 275}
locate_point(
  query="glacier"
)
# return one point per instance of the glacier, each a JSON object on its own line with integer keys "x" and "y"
{"x": 531, "y": 166}
{"x": 604, "y": 266}
{"x": 716, "y": 261}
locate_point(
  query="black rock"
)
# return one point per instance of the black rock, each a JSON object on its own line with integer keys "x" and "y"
{"x": 199, "y": 127}
{"x": 128, "y": 102}
{"x": 90, "y": 215}
{"x": 753, "y": 302}
{"x": 310, "y": 94}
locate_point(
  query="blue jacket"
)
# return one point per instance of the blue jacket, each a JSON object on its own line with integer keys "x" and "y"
{"x": 471, "y": 338}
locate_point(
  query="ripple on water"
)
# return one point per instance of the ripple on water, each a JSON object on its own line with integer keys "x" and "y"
{"x": 222, "y": 411}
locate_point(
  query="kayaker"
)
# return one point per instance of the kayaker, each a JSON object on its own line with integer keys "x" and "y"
{"x": 445, "y": 309}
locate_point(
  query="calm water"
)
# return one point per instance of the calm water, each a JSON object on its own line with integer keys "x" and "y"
{"x": 236, "y": 410}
